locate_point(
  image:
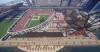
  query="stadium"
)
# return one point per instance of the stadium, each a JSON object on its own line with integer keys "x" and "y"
{"x": 38, "y": 20}
{"x": 49, "y": 25}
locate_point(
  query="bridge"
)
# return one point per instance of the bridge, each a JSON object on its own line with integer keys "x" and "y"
{"x": 62, "y": 41}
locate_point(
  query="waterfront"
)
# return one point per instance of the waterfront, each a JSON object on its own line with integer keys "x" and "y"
{"x": 65, "y": 49}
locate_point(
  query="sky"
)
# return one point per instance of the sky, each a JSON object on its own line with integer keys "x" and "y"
{"x": 5, "y": 1}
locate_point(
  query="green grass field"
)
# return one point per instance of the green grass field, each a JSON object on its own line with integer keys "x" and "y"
{"x": 35, "y": 20}
{"x": 4, "y": 25}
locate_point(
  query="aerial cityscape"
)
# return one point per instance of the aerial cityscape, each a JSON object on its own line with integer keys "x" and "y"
{"x": 50, "y": 26}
